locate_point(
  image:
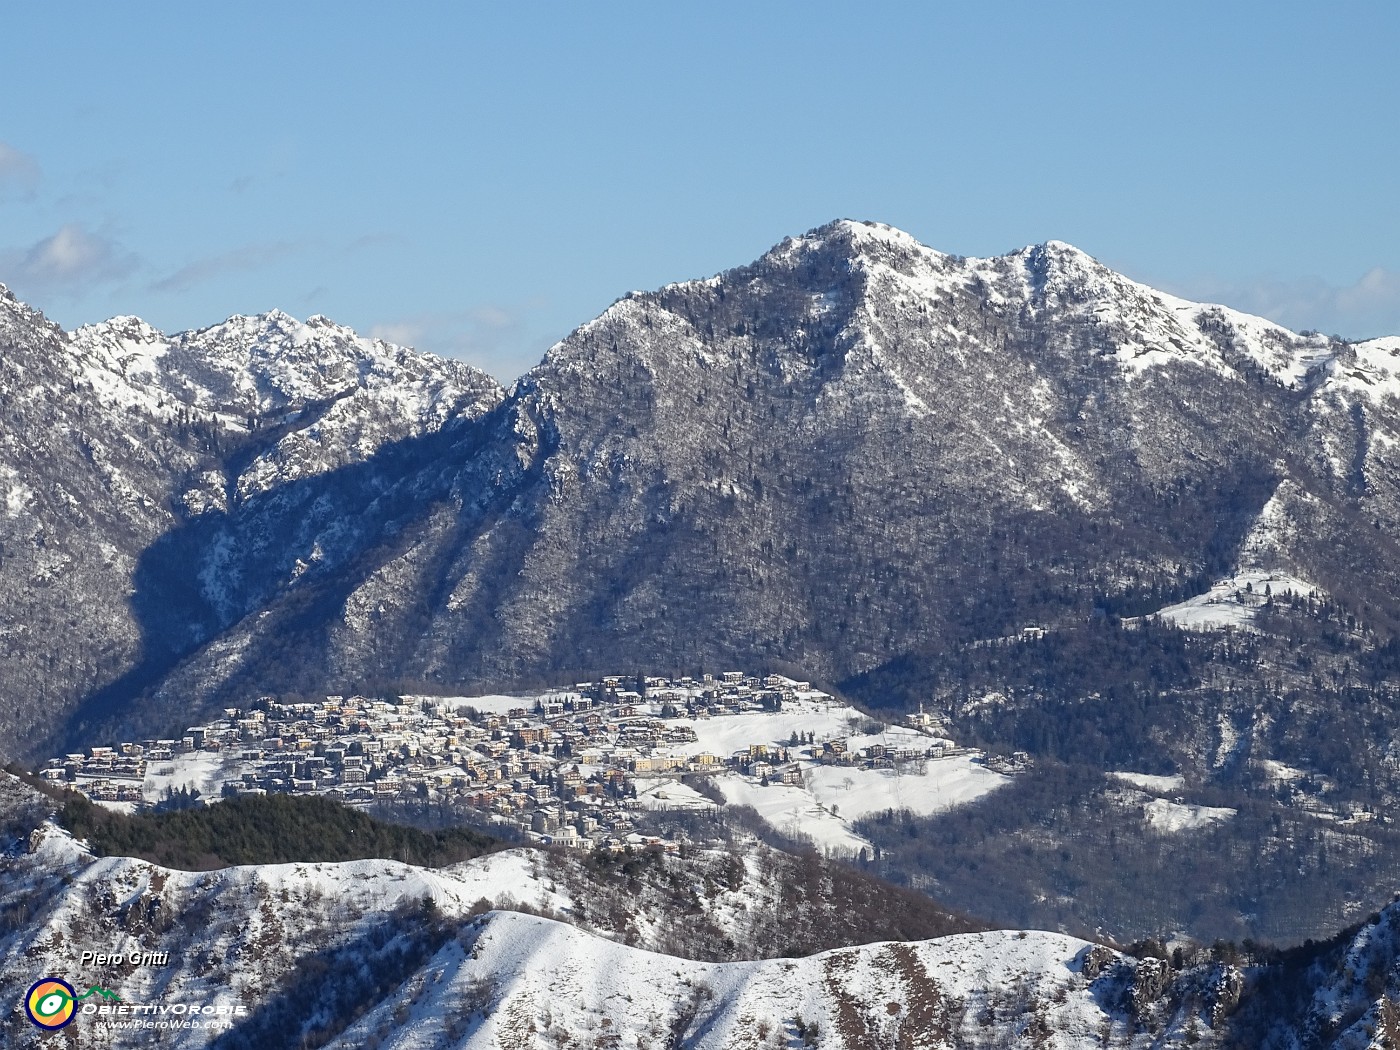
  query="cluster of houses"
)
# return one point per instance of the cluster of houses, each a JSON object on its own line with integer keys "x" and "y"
{"x": 561, "y": 767}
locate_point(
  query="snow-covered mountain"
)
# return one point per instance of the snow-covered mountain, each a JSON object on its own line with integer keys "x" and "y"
{"x": 120, "y": 442}
{"x": 339, "y": 397}
{"x": 856, "y": 456}
{"x": 84, "y": 488}
{"x": 853, "y": 452}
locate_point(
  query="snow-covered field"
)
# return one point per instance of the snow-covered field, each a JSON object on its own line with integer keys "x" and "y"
{"x": 794, "y": 812}
{"x": 1233, "y": 601}
{"x": 1279, "y": 771}
{"x": 1151, "y": 783}
{"x": 942, "y": 784}
{"x": 204, "y": 771}
{"x": 1165, "y": 815}
{"x": 490, "y": 704}
{"x": 1174, "y": 816}
{"x": 725, "y": 734}
{"x": 831, "y": 798}
{"x": 662, "y": 793}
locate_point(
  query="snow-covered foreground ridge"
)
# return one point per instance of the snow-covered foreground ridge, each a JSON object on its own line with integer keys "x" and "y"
{"x": 354, "y": 952}
{"x": 552, "y": 981}
{"x": 232, "y": 939}
{"x": 528, "y": 948}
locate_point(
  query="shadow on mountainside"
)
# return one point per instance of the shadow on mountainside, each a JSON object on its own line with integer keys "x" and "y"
{"x": 291, "y": 555}
{"x": 325, "y": 992}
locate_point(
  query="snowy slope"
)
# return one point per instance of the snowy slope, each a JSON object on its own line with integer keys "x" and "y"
{"x": 232, "y": 936}
{"x": 831, "y": 798}
{"x": 1235, "y": 601}
{"x": 239, "y": 940}
{"x": 523, "y": 982}
{"x": 376, "y": 953}
{"x": 550, "y": 980}
{"x": 344, "y": 395}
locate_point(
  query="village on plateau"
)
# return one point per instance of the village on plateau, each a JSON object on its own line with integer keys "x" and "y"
{"x": 569, "y": 766}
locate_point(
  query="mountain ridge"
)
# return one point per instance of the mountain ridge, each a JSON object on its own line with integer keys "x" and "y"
{"x": 1025, "y": 491}
{"x": 522, "y": 948}
{"x": 840, "y": 333}
{"x": 380, "y": 944}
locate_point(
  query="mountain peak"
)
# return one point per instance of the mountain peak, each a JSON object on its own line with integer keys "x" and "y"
{"x": 859, "y": 237}
{"x": 14, "y": 307}
{"x": 1062, "y": 247}
{"x": 124, "y": 326}
{"x": 869, "y": 230}
{"x": 865, "y": 234}
{"x": 1059, "y": 257}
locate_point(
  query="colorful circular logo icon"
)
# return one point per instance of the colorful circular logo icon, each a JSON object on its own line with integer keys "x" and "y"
{"x": 50, "y": 1003}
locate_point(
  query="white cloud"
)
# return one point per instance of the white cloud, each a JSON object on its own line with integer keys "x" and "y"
{"x": 72, "y": 260}
{"x": 493, "y": 338}
{"x": 19, "y": 172}
{"x": 1370, "y": 307}
{"x": 400, "y": 333}
{"x": 248, "y": 257}
{"x": 1376, "y": 295}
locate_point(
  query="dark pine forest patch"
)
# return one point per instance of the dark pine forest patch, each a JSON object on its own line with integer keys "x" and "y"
{"x": 264, "y": 829}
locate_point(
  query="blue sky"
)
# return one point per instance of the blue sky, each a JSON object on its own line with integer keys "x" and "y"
{"x": 479, "y": 179}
